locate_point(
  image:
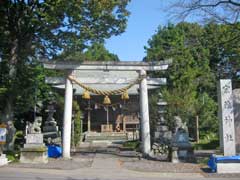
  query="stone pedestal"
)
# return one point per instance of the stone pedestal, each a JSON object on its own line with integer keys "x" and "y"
{"x": 34, "y": 150}
{"x": 3, "y": 160}
{"x": 223, "y": 168}
{"x": 182, "y": 154}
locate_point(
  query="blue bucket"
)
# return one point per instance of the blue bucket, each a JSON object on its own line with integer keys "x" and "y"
{"x": 54, "y": 151}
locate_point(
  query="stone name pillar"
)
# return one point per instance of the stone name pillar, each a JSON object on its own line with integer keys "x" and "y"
{"x": 226, "y": 117}
{"x": 144, "y": 112}
{"x": 67, "y": 118}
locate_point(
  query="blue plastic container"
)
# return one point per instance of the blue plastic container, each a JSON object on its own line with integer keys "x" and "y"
{"x": 213, "y": 160}
{"x": 54, "y": 151}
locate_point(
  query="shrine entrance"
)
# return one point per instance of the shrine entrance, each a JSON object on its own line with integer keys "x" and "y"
{"x": 119, "y": 116}
{"x": 112, "y": 93}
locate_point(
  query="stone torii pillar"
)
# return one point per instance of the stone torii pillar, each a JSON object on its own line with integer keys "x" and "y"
{"x": 144, "y": 113}
{"x": 67, "y": 118}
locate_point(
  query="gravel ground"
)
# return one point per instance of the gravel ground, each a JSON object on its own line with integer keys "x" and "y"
{"x": 215, "y": 175}
{"x": 157, "y": 166}
{"x": 167, "y": 167}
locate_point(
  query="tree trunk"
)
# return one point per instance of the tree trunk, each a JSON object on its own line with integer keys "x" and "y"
{"x": 8, "y": 110}
{"x": 8, "y": 113}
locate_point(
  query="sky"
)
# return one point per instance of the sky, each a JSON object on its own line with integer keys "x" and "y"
{"x": 146, "y": 16}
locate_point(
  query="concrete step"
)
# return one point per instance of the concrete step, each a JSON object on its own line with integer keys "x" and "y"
{"x": 89, "y": 137}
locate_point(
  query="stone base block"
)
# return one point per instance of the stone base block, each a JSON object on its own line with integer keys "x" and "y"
{"x": 34, "y": 155}
{"x": 228, "y": 167}
{"x": 162, "y": 128}
{"x": 182, "y": 154}
{"x": 3, "y": 160}
{"x": 34, "y": 138}
{"x": 34, "y": 146}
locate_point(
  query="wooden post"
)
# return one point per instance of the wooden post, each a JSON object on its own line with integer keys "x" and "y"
{"x": 107, "y": 116}
{"x": 197, "y": 129}
{"x": 89, "y": 116}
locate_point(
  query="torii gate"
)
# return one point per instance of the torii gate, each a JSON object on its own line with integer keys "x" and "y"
{"x": 140, "y": 67}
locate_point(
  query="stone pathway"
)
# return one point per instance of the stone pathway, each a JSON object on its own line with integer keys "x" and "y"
{"x": 105, "y": 161}
{"x": 109, "y": 164}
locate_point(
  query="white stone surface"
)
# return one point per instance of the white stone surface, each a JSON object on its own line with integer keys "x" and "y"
{"x": 228, "y": 167}
{"x": 109, "y": 79}
{"x": 34, "y": 139}
{"x": 226, "y": 116}
{"x": 67, "y": 119}
{"x": 3, "y": 160}
{"x": 144, "y": 112}
{"x": 34, "y": 157}
{"x": 108, "y": 66}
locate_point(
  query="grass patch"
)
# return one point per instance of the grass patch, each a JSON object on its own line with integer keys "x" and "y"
{"x": 12, "y": 156}
{"x": 134, "y": 145}
{"x": 208, "y": 141}
{"x": 202, "y": 160}
{"x": 203, "y": 145}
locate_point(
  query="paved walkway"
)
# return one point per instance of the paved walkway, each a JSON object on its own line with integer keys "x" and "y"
{"x": 105, "y": 161}
{"x": 97, "y": 166}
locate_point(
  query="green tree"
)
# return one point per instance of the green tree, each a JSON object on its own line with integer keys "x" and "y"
{"x": 32, "y": 30}
{"x": 223, "y": 44}
{"x": 222, "y": 31}
{"x": 189, "y": 76}
{"x": 95, "y": 52}
{"x": 77, "y": 124}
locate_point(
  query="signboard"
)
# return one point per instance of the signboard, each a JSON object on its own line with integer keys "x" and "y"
{"x": 3, "y": 133}
{"x": 227, "y": 129}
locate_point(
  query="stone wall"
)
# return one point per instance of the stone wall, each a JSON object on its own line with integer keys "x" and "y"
{"x": 236, "y": 105}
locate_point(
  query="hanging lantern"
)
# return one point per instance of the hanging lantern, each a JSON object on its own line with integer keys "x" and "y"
{"x": 86, "y": 95}
{"x": 106, "y": 100}
{"x": 125, "y": 96}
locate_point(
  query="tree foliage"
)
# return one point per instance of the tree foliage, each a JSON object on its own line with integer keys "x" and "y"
{"x": 32, "y": 30}
{"x": 41, "y": 28}
{"x": 95, "y": 52}
{"x": 223, "y": 44}
{"x": 77, "y": 124}
{"x": 191, "y": 81}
